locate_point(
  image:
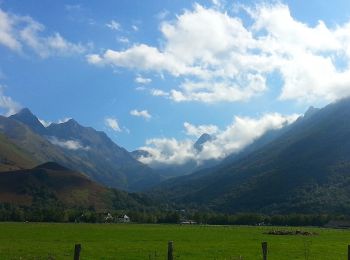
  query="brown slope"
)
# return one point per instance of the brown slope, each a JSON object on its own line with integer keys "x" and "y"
{"x": 50, "y": 180}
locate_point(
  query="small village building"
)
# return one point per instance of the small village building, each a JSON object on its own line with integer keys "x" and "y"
{"x": 187, "y": 222}
{"x": 123, "y": 219}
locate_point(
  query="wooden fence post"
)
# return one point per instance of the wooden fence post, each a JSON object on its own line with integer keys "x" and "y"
{"x": 77, "y": 250}
{"x": 170, "y": 250}
{"x": 264, "y": 250}
{"x": 348, "y": 252}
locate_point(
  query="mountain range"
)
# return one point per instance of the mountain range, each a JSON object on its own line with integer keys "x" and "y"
{"x": 303, "y": 168}
{"x": 80, "y": 148}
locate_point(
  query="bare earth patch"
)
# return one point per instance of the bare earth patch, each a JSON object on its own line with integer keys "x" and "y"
{"x": 290, "y": 232}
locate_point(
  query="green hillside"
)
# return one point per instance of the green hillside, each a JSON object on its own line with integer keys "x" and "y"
{"x": 13, "y": 157}
{"x": 38, "y": 147}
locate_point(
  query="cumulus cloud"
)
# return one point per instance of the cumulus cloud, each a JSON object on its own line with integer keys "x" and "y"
{"x": 142, "y": 57}
{"x": 141, "y": 80}
{"x": 20, "y": 32}
{"x": 242, "y": 132}
{"x": 94, "y": 59}
{"x": 8, "y": 104}
{"x": 113, "y": 124}
{"x": 141, "y": 113}
{"x": 219, "y": 58}
{"x": 168, "y": 151}
{"x": 210, "y": 92}
{"x": 68, "y": 144}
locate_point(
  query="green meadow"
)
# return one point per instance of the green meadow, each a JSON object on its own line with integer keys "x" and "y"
{"x": 134, "y": 241}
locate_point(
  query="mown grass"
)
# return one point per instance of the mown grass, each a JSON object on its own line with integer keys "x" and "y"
{"x": 132, "y": 241}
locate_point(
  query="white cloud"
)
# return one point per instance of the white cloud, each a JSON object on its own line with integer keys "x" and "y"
{"x": 210, "y": 92}
{"x": 20, "y": 32}
{"x": 219, "y": 58}
{"x": 7, "y": 37}
{"x": 94, "y": 59}
{"x": 68, "y": 144}
{"x": 159, "y": 93}
{"x": 135, "y": 28}
{"x": 113, "y": 124}
{"x": 113, "y": 25}
{"x": 142, "y": 57}
{"x": 142, "y": 113}
{"x": 306, "y": 56}
{"x": 197, "y": 131}
{"x": 168, "y": 151}
{"x": 8, "y": 104}
{"x": 123, "y": 40}
{"x": 141, "y": 80}
{"x": 140, "y": 88}
{"x": 242, "y": 132}
{"x": 57, "y": 45}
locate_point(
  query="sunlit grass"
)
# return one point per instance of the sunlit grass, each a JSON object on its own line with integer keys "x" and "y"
{"x": 132, "y": 241}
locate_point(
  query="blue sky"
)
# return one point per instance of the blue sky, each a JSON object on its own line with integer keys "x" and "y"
{"x": 158, "y": 73}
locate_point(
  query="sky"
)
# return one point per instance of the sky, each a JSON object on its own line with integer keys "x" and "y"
{"x": 158, "y": 74}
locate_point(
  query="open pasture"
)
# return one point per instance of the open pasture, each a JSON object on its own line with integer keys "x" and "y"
{"x": 135, "y": 241}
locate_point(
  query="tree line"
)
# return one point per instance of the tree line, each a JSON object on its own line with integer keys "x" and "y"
{"x": 9, "y": 212}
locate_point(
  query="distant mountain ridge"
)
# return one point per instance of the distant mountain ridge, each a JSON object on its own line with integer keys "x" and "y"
{"x": 83, "y": 149}
{"x": 198, "y": 145}
{"x": 26, "y": 117}
{"x": 137, "y": 154}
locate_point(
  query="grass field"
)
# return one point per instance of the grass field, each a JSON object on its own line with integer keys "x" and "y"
{"x": 132, "y": 241}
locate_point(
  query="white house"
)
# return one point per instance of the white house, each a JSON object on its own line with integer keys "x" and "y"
{"x": 187, "y": 222}
{"x": 123, "y": 219}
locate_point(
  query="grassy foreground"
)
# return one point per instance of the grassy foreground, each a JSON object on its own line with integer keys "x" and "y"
{"x": 132, "y": 241}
